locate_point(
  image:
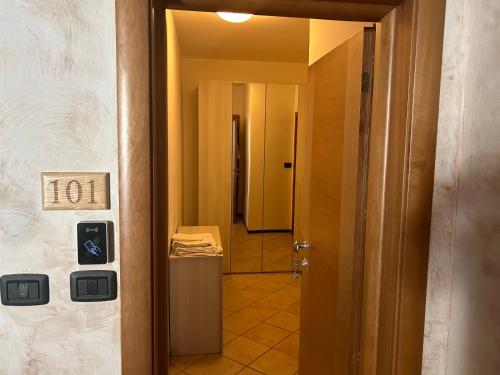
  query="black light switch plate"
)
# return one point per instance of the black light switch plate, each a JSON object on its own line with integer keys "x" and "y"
{"x": 24, "y": 289}
{"x": 95, "y": 242}
{"x": 93, "y": 286}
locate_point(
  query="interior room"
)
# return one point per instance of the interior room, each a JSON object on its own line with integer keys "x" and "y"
{"x": 239, "y": 143}
{"x": 398, "y": 272}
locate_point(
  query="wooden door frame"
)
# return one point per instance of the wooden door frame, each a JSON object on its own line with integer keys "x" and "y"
{"x": 400, "y": 180}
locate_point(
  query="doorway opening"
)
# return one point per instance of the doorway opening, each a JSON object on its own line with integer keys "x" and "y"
{"x": 401, "y": 159}
{"x": 271, "y": 131}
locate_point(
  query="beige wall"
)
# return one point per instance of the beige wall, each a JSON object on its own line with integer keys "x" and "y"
{"x": 194, "y": 70}
{"x": 57, "y": 113}
{"x": 174, "y": 105}
{"x": 462, "y": 332}
{"x": 325, "y": 35}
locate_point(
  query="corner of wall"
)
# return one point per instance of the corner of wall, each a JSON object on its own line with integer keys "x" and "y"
{"x": 445, "y": 195}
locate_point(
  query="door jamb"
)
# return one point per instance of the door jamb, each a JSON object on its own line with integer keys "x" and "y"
{"x": 402, "y": 166}
{"x": 134, "y": 168}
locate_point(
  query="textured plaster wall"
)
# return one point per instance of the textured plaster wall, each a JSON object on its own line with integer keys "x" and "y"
{"x": 57, "y": 113}
{"x": 462, "y": 333}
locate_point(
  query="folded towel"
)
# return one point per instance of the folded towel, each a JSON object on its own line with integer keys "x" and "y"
{"x": 199, "y": 244}
{"x": 198, "y": 252}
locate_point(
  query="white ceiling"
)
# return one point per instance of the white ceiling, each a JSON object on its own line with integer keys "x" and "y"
{"x": 262, "y": 38}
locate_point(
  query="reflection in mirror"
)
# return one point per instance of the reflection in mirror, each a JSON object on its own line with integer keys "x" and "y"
{"x": 263, "y": 167}
{"x": 279, "y": 176}
{"x": 249, "y": 103}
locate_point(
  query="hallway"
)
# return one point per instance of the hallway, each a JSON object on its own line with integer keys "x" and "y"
{"x": 259, "y": 251}
{"x": 261, "y": 329}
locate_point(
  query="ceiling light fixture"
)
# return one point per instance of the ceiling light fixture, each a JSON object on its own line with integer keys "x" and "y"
{"x": 234, "y": 17}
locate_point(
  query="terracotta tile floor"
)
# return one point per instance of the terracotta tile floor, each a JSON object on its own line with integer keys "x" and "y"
{"x": 261, "y": 329}
{"x": 256, "y": 252}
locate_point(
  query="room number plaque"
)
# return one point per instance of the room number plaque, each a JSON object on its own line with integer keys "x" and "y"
{"x": 75, "y": 191}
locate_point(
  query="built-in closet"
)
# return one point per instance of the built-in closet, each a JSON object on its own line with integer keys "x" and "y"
{"x": 247, "y": 137}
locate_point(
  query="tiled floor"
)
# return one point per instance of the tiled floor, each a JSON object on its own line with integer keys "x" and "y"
{"x": 256, "y": 252}
{"x": 261, "y": 329}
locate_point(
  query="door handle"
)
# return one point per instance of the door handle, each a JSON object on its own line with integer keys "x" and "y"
{"x": 297, "y": 246}
{"x": 298, "y": 264}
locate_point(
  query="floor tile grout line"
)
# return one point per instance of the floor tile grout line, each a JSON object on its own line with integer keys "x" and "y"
{"x": 239, "y": 372}
{"x": 203, "y": 357}
{"x": 259, "y": 321}
{"x": 256, "y": 359}
{"x": 274, "y": 292}
{"x": 270, "y": 348}
{"x": 249, "y": 306}
{"x": 241, "y": 363}
{"x": 249, "y": 365}
{"x": 270, "y": 291}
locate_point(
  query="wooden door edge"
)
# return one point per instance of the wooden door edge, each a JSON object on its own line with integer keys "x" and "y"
{"x": 399, "y": 210}
{"x": 377, "y": 176}
{"x": 160, "y": 189}
{"x": 423, "y": 122}
{"x": 133, "y": 114}
{"x": 362, "y": 190}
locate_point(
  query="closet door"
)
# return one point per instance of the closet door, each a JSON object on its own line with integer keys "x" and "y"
{"x": 262, "y": 235}
{"x": 246, "y": 234}
{"x": 279, "y": 167}
{"x": 214, "y": 159}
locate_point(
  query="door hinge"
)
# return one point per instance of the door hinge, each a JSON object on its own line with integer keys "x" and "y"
{"x": 366, "y": 81}
{"x": 358, "y": 357}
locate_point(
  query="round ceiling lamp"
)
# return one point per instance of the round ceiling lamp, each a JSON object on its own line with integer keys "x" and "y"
{"x": 234, "y": 17}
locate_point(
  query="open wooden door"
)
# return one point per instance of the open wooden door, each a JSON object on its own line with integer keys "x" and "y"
{"x": 331, "y": 286}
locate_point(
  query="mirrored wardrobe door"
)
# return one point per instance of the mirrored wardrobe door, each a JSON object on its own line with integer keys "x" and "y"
{"x": 249, "y": 103}
{"x": 279, "y": 176}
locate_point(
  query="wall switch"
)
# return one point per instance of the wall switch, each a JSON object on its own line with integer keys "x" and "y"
{"x": 93, "y": 286}
{"x": 24, "y": 289}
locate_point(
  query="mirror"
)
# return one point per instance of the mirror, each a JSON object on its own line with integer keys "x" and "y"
{"x": 263, "y": 173}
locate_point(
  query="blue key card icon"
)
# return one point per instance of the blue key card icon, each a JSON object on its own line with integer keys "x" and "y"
{"x": 92, "y": 249}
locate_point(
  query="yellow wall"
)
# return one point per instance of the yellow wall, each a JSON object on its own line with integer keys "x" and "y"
{"x": 325, "y": 35}
{"x": 239, "y": 99}
{"x": 279, "y": 148}
{"x": 255, "y": 123}
{"x": 174, "y": 105}
{"x": 239, "y": 109}
{"x": 194, "y": 70}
